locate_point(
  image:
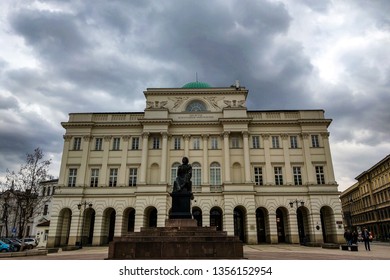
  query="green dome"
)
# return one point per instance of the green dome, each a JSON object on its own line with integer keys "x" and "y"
{"x": 196, "y": 85}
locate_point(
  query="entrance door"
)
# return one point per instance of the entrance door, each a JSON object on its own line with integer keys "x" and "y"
{"x": 301, "y": 226}
{"x": 239, "y": 229}
{"x": 216, "y": 218}
{"x": 260, "y": 223}
{"x": 280, "y": 226}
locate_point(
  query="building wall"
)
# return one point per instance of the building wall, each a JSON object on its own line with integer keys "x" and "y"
{"x": 367, "y": 202}
{"x": 222, "y": 139}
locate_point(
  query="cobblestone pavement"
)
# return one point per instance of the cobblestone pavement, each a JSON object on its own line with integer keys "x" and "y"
{"x": 379, "y": 251}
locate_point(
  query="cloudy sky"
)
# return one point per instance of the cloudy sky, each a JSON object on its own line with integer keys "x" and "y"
{"x": 62, "y": 56}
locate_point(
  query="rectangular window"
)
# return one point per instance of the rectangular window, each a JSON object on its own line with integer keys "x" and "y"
{"x": 113, "y": 177}
{"x": 214, "y": 143}
{"x": 116, "y": 144}
{"x": 72, "y": 177}
{"x": 293, "y": 142}
{"x": 196, "y": 143}
{"x": 215, "y": 176}
{"x": 48, "y": 191}
{"x": 176, "y": 143}
{"x": 320, "y": 175}
{"x": 235, "y": 142}
{"x": 297, "y": 175}
{"x": 278, "y": 175}
{"x": 156, "y": 143}
{"x": 132, "y": 177}
{"x": 135, "y": 143}
{"x": 77, "y": 143}
{"x": 315, "y": 143}
{"x": 94, "y": 177}
{"x": 98, "y": 144}
{"x": 275, "y": 142}
{"x": 196, "y": 175}
{"x": 256, "y": 142}
{"x": 258, "y": 172}
{"x": 45, "y": 209}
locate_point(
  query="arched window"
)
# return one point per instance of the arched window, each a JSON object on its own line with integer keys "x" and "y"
{"x": 196, "y": 106}
{"x": 174, "y": 168}
{"x": 215, "y": 174}
{"x": 196, "y": 174}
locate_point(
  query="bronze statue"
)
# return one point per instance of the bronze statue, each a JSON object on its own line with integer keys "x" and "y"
{"x": 183, "y": 179}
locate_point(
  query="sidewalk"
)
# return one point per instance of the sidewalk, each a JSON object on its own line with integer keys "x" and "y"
{"x": 379, "y": 251}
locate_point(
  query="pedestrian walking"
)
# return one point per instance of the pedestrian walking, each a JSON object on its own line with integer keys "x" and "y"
{"x": 366, "y": 238}
{"x": 348, "y": 237}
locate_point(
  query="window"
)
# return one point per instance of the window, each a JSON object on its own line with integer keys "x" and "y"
{"x": 258, "y": 171}
{"x": 278, "y": 175}
{"x": 135, "y": 143}
{"x": 43, "y": 191}
{"x": 214, "y": 143}
{"x": 45, "y": 210}
{"x": 94, "y": 177}
{"x": 98, "y": 144}
{"x": 156, "y": 143}
{"x": 72, "y": 177}
{"x": 116, "y": 144}
{"x": 176, "y": 143}
{"x": 196, "y": 174}
{"x": 235, "y": 142}
{"x": 77, "y": 143}
{"x": 196, "y": 143}
{"x": 275, "y": 142}
{"x": 48, "y": 191}
{"x": 320, "y": 175}
{"x": 315, "y": 143}
{"x": 196, "y": 106}
{"x": 174, "y": 168}
{"x": 113, "y": 177}
{"x": 215, "y": 174}
{"x": 297, "y": 175}
{"x": 132, "y": 177}
{"x": 256, "y": 142}
{"x": 293, "y": 142}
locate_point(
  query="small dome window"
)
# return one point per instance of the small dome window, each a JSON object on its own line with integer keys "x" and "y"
{"x": 196, "y": 106}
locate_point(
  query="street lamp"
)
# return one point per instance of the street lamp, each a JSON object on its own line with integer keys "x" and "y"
{"x": 297, "y": 202}
{"x": 82, "y": 205}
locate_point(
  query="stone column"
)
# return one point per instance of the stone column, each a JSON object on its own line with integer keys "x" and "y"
{"x": 269, "y": 180}
{"x": 306, "y": 151}
{"x": 247, "y": 164}
{"x": 97, "y": 238}
{"x": 118, "y": 224}
{"x": 293, "y": 228}
{"x": 186, "y": 145}
{"x": 144, "y": 158}
{"x": 226, "y": 156}
{"x": 273, "y": 231}
{"x": 106, "y": 148}
{"x": 82, "y": 173}
{"x": 62, "y": 181}
{"x": 122, "y": 172}
{"x": 164, "y": 156}
{"x": 205, "y": 164}
{"x": 286, "y": 154}
{"x": 251, "y": 227}
{"x": 329, "y": 162}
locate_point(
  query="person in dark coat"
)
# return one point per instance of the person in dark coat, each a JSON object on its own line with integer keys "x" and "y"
{"x": 366, "y": 239}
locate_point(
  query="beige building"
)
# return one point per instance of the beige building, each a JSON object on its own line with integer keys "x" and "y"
{"x": 367, "y": 202}
{"x": 266, "y": 176}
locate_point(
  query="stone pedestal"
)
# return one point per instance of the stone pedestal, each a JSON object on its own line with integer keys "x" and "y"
{"x": 181, "y": 205}
{"x": 179, "y": 239}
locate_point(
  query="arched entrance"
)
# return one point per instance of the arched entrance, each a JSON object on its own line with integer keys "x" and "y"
{"x": 88, "y": 224}
{"x": 303, "y": 225}
{"x": 151, "y": 217}
{"x": 261, "y": 225}
{"x": 63, "y": 228}
{"x": 108, "y": 227}
{"x": 280, "y": 225}
{"x": 128, "y": 220}
{"x": 216, "y": 218}
{"x": 239, "y": 223}
{"x": 328, "y": 225}
{"x": 197, "y": 214}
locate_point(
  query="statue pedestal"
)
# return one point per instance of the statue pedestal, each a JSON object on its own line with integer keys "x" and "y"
{"x": 181, "y": 205}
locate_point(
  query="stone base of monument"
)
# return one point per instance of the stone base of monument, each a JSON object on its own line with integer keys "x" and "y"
{"x": 179, "y": 239}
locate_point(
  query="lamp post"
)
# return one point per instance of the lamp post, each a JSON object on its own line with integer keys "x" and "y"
{"x": 82, "y": 205}
{"x": 301, "y": 233}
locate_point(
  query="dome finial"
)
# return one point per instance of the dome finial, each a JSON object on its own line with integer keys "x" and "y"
{"x": 196, "y": 76}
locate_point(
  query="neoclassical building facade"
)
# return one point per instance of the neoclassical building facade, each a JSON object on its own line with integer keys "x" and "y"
{"x": 266, "y": 176}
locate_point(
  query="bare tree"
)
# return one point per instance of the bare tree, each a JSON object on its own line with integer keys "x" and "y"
{"x": 26, "y": 189}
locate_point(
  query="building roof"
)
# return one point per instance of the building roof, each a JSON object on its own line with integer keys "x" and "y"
{"x": 196, "y": 85}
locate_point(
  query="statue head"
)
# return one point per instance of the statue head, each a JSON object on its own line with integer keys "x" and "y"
{"x": 185, "y": 160}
